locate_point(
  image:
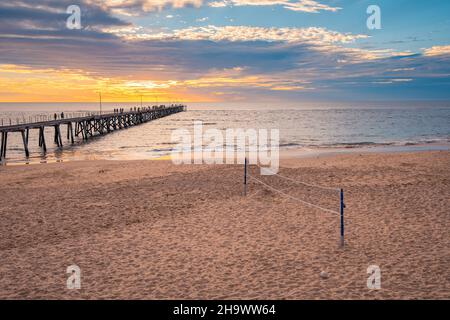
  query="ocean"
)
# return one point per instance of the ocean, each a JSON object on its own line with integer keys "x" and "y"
{"x": 310, "y": 126}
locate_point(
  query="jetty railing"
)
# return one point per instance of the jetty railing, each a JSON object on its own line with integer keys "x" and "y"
{"x": 22, "y": 119}
{"x": 87, "y": 124}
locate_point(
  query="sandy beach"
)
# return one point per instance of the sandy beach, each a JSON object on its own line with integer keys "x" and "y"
{"x": 154, "y": 230}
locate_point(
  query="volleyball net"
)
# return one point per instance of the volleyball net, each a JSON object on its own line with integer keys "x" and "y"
{"x": 329, "y": 200}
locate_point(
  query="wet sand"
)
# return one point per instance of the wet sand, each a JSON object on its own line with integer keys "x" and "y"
{"x": 153, "y": 230}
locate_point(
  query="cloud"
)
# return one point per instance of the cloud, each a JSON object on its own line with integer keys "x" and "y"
{"x": 242, "y": 33}
{"x": 401, "y": 69}
{"x": 137, "y": 7}
{"x": 38, "y": 52}
{"x": 219, "y": 4}
{"x": 437, "y": 51}
{"x": 48, "y": 19}
{"x": 310, "y": 6}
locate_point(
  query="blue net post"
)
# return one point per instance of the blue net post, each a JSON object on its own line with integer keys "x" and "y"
{"x": 342, "y": 206}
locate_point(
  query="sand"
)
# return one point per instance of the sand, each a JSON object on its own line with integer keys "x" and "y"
{"x": 153, "y": 230}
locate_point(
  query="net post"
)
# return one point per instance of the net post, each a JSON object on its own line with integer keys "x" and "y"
{"x": 245, "y": 177}
{"x": 342, "y": 206}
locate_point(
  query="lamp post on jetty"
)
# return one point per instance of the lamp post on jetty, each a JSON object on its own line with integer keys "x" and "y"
{"x": 100, "y": 93}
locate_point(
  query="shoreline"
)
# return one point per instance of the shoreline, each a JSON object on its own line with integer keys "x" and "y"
{"x": 286, "y": 152}
{"x": 381, "y": 149}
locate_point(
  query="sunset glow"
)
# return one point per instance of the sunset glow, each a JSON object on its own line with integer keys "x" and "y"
{"x": 213, "y": 51}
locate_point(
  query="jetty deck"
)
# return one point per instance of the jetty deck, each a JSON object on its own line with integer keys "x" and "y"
{"x": 86, "y": 126}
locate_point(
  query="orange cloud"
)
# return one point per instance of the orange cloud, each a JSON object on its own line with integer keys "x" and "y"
{"x": 24, "y": 84}
{"x": 20, "y": 84}
{"x": 437, "y": 51}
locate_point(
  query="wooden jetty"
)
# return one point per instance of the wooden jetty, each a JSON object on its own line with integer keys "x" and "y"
{"x": 86, "y": 126}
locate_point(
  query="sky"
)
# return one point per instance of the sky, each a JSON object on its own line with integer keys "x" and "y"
{"x": 224, "y": 51}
